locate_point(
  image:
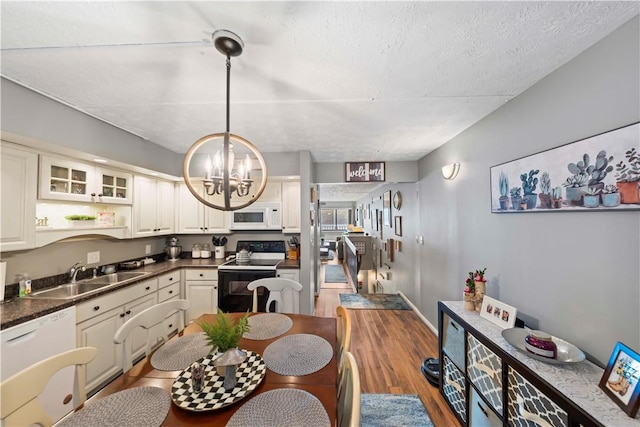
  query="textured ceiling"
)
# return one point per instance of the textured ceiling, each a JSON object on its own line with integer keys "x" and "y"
{"x": 348, "y": 81}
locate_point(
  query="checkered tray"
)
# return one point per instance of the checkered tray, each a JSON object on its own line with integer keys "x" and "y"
{"x": 213, "y": 395}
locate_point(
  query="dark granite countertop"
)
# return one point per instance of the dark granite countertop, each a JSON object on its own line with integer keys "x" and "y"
{"x": 20, "y": 310}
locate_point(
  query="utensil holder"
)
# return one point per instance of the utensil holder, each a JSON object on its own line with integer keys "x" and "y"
{"x": 219, "y": 252}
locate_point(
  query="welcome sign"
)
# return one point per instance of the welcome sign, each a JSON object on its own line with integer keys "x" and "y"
{"x": 364, "y": 171}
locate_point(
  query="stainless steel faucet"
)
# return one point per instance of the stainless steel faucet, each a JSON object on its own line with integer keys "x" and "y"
{"x": 74, "y": 271}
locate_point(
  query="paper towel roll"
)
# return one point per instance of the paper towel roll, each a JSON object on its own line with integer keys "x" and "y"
{"x": 3, "y": 273}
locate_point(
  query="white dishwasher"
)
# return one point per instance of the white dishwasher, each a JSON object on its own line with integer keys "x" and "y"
{"x": 30, "y": 342}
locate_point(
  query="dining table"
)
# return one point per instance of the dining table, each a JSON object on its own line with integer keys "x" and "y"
{"x": 322, "y": 383}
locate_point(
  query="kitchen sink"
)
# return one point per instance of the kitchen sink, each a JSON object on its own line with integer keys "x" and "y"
{"x": 113, "y": 278}
{"x": 81, "y": 287}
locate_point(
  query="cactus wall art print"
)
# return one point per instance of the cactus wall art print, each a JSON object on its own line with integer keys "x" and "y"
{"x": 601, "y": 172}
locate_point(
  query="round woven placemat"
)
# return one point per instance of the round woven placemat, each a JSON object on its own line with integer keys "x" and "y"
{"x": 268, "y": 325}
{"x": 135, "y": 407}
{"x": 177, "y": 354}
{"x": 298, "y": 354}
{"x": 281, "y": 407}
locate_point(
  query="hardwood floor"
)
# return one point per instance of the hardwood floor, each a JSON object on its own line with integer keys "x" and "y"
{"x": 389, "y": 346}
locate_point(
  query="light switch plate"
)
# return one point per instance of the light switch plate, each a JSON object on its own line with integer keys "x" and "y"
{"x": 147, "y": 249}
{"x": 93, "y": 257}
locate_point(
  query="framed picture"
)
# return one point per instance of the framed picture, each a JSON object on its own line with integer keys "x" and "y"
{"x": 594, "y": 174}
{"x": 386, "y": 208}
{"x": 620, "y": 379}
{"x": 398, "y": 225}
{"x": 498, "y": 312}
{"x": 398, "y": 244}
{"x": 377, "y": 219}
{"x": 390, "y": 248}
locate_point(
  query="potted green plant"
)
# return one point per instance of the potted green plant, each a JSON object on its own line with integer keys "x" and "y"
{"x": 610, "y": 196}
{"x": 504, "y": 190}
{"x": 628, "y": 176}
{"x": 545, "y": 191}
{"x": 529, "y": 183}
{"x": 224, "y": 334}
{"x": 81, "y": 220}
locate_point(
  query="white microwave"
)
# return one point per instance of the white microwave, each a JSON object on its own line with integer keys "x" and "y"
{"x": 257, "y": 216}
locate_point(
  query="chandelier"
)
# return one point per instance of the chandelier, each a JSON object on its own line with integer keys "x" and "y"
{"x": 226, "y": 183}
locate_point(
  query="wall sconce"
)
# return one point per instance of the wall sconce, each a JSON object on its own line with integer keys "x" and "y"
{"x": 449, "y": 172}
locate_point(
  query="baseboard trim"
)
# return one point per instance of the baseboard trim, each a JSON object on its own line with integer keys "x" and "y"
{"x": 415, "y": 310}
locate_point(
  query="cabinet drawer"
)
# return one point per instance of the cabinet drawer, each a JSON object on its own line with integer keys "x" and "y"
{"x": 454, "y": 388}
{"x": 169, "y": 292}
{"x": 172, "y": 321}
{"x": 168, "y": 279}
{"x": 209, "y": 274}
{"x": 480, "y": 414}
{"x": 485, "y": 372}
{"x": 99, "y": 305}
{"x": 527, "y": 406}
{"x": 453, "y": 341}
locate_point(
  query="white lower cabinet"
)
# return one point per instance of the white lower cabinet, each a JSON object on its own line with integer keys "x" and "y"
{"x": 201, "y": 286}
{"x": 97, "y": 321}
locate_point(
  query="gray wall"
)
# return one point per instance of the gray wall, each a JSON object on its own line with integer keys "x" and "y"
{"x": 402, "y": 268}
{"x": 574, "y": 275}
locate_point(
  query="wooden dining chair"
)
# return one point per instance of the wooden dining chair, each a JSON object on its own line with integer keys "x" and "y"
{"x": 20, "y": 405}
{"x": 349, "y": 392}
{"x": 285, "y": 293}
{"x": 343, "y": 330}
{"x": 151, "y": 321}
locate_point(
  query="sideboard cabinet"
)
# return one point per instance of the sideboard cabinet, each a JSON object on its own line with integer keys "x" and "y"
{"x": 487, "y": 382}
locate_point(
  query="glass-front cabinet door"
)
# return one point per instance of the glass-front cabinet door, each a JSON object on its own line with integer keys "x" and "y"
{"x": 62, "y": 179}
{"x": 113, "y": 187}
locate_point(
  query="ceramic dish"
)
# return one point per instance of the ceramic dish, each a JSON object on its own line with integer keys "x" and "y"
{"x": 567, "y": 352}
{"x": 213, "y": 395}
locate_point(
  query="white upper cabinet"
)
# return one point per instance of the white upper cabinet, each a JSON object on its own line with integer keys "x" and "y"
{"x": 291, "y": 207}
{"x": 194, "y": 217}
{"x": 19, "y": 182}
{"x": 272, "y": 192}
{"x": 62, "y": 179}
{"x": 153, "y": 207}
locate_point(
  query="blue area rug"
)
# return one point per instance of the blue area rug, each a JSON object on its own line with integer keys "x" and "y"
{"x": 393, "y": 410}
{"x": 373, "y": 301}
{"x": 334, "y": 274}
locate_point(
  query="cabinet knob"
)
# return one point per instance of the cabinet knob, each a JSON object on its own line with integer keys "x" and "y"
{"x": 147, "y": 288}
{"x": 93, "y": 194}
{"x": 121, "y": 314}
{"x": 171, "y": 279}
{"x": 170, "y": 325}
{"x": 170, "y": 292}
{"x": 128, "y": 312}
{"x": 201, "y": 275}
{"x": 96, "y": 308}
{"x": 100, "y": 195}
